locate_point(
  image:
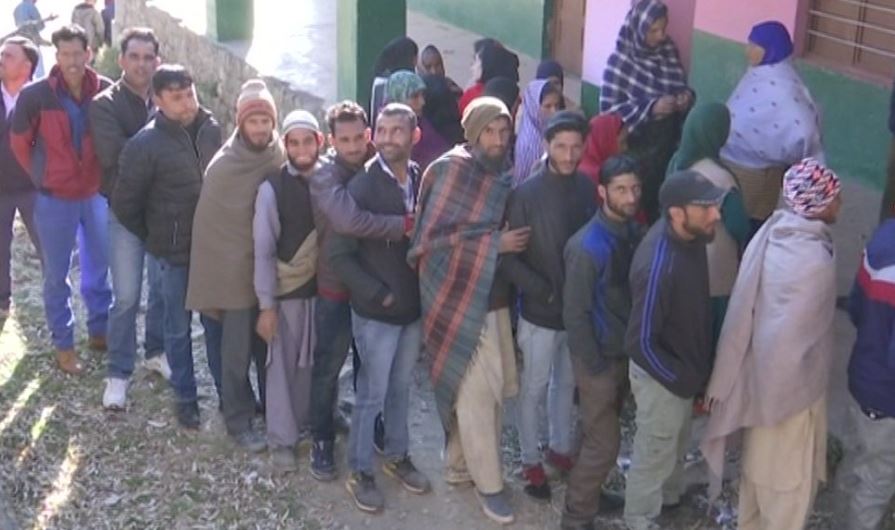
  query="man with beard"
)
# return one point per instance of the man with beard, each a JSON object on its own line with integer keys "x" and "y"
{"x": 222, "y": 268}
{"x": 775, "y": 353}
{"x": 466, "y": 322}
{"x": 385, "y": 305}
{"x": 555, "y": 202}
{"x": 669, "y": 341}
{"x": 285, "y": 263}
{"x": 157, "y": 186}
{"x": 596, "y": 308}
{"x": 335, "y": 211}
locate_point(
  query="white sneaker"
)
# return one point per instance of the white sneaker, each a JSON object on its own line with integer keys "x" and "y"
{"x": 115, "y": 396}
{"x": 159, "y": 364}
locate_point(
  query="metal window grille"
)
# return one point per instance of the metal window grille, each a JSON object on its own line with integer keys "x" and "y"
{"x": 857, "y": 34}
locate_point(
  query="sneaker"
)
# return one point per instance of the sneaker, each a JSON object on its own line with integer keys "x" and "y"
{"x": 563, "y": 463}
{"x": 323, "y": 465}
{"x": 159, "y": 364}
{"x": 408, "y": 475}
{"x": 496, "y": 507}
{"x": 115, "y": 396}
{"x": 366, "y": 495}
{"x": 283, "y": 459}
{"x": 537, "y": 486}
{"x": 188, "y": 415}
{"x": 379, "y": 435}
{"x": 251, "y": 441}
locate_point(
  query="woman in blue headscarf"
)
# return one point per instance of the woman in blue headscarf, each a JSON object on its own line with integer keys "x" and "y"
{"x": 774, "y": 121}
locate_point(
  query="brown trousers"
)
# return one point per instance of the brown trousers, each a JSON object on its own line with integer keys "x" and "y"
{"x": 600, "y": 400}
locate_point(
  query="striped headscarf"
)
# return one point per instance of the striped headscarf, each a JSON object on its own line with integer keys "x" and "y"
{"x": 530, "y": 142}
{"x": 809, "y": 187}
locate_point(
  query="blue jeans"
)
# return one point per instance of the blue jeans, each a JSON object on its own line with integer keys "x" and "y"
{"x": 126, "y": 258}
{"x": 60, "y": 224}
{"x": 388, "y": 354}
{"x": 177, "y": 332}
{"x": 332, "y": 325}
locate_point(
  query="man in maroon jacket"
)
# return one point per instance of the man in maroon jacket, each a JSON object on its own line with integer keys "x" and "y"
{"x": 51, "y": 139}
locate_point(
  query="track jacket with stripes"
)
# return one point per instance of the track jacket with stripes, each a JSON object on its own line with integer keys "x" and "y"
{"x": 669, "y": 331}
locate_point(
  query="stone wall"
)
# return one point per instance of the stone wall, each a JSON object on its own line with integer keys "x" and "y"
{"x": 218, "y": 72}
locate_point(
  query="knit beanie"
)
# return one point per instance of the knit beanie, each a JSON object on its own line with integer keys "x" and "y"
{"x": 254, "y": 98}
{"x": 479, "y": 113}
{"x": 300, "y": 119}
{"x": 809, "y": 187}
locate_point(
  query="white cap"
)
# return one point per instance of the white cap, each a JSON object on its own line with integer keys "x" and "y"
{"x": 300, "y": 119}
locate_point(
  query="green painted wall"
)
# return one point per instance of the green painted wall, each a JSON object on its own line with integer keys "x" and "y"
{"x": 230, "y": 20}
{"x": 856, "y": 136}
{"x": 364, "y": 28}
{"x": 513, "y": 22}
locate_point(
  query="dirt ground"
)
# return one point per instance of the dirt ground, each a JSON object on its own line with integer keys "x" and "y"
{"x": 65, "y": 463}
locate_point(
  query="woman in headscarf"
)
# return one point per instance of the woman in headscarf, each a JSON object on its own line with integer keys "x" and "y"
{"x": 440, "y": 122}
{"x": 551, "y": 70}
{"x": 410, "y": 89}
{"x": 608, "y": 137}
{"x": 542, "y": 100}
{"x": 493, "y": 60}
{"x": 774, "y": 121}
{"x": 399, "y": 54}
{"x": 645, "y": 83}
{"x": 705, "y": 131}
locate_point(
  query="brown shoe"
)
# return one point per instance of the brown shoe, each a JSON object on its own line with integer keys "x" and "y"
{"x": 97, "y": 343}
{"x": 69, "y": 362}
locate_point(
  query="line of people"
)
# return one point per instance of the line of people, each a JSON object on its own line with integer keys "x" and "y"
{"x": 536, "y": 240}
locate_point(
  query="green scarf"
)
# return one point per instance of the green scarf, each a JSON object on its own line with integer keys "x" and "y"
{"x": 705, "y": 133}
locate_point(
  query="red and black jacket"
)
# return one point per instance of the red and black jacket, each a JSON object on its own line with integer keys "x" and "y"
{"x": 41, "y": 138}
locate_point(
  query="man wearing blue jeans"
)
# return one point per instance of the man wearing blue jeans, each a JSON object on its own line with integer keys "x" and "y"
{"x": 51, "y": 139}
{"x": 385, "y": 301}
{"x": 117, "y": 114}
{"x": 335, "y": 211}
{"x": 160, "y": 176}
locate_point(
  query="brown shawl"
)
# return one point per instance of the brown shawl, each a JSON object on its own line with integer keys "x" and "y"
{"x": 222, "y": 255}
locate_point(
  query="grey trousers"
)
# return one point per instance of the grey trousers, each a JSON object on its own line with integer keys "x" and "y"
{"x": 867, "y": 480}
{"x": 239, "y": 346}
{"x": 9, "y": 203}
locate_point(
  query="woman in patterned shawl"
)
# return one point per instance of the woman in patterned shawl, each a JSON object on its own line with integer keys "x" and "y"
{"x": 645, "y": 83}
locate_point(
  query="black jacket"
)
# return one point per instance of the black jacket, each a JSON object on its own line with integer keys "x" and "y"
{"x": 555, "y": 207}
{"x": 116, "y": 115}
{"x": 670, "y": 331}
{"x": 374, "y": 268}
{"x": 13, "y": 178}
{"x": 161, "y": 170}
{"x": 597, "y": 294}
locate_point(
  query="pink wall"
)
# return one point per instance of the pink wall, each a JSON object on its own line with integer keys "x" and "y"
{"x": 733, "y": 19}
{"x": 603, "y": 18}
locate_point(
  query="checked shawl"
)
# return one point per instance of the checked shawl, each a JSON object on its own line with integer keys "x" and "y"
{"x": 636, "y": 75}
{"x": 455, "y": 244}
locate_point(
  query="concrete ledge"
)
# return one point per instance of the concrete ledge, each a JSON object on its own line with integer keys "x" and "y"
{"x": 218, "y": 72}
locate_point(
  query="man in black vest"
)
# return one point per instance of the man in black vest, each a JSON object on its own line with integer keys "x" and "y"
{"x": 285, "y": 265}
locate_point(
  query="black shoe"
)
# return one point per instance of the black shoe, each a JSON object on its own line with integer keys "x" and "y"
{"x": 568, "y": 523}
{"x": 611, "y": 502}
{"x": 323, "y": 465}
{"x": 379, "y": 435}
{"x": 188, "y": 415}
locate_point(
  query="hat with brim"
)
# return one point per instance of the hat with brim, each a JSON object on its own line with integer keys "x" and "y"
{"x": 689, "y": 188}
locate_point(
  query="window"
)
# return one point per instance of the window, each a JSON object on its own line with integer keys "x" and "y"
{"x": 855, "y": 34}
